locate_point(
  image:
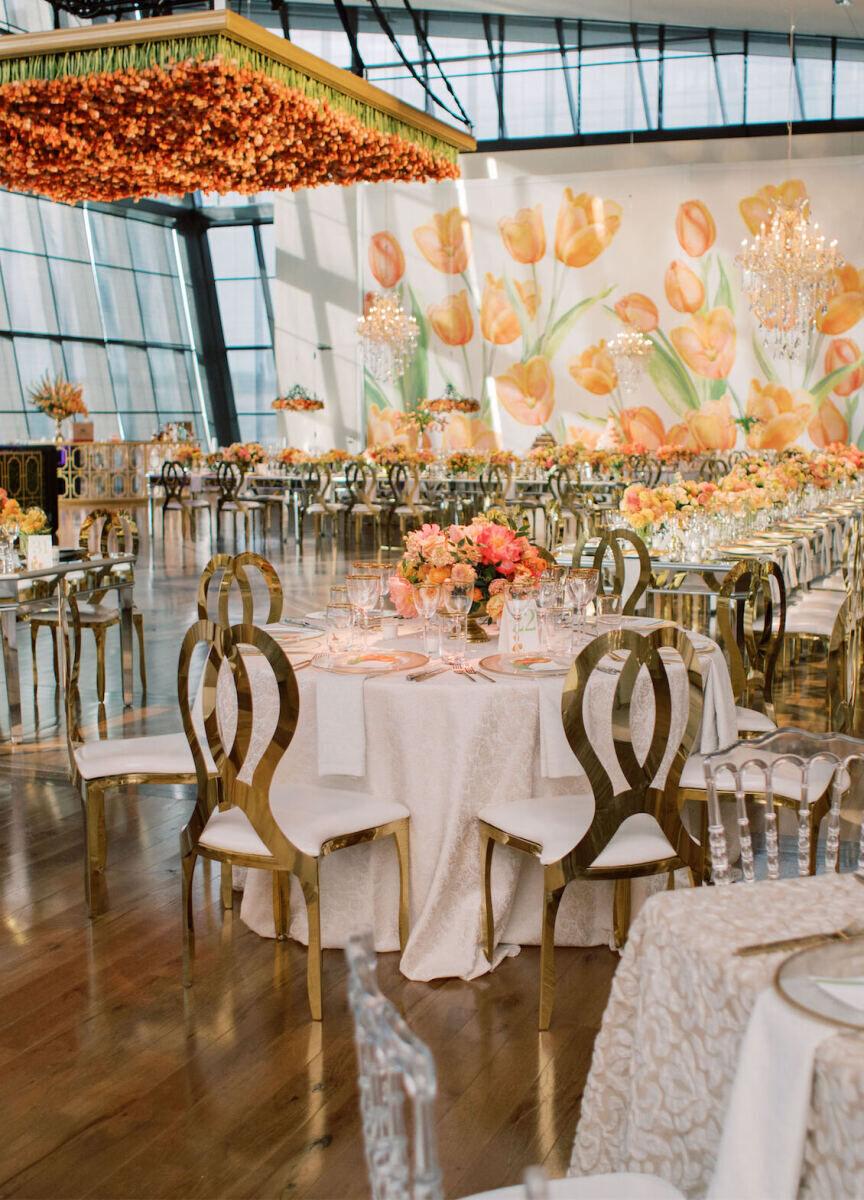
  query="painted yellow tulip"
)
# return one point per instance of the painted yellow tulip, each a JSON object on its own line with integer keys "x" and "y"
{"x": 684, "y": 289}
{"x": 695, "y": 228}
{"x": 498, "y": 320}
{"x": 524, "y": 235}
{"x": 586, "y": 226}
{"x": 468, "y": 433}
{"x": 846, "y": 303}
{"x": 828, "y": 425}
{"x": 452, "y": 320}
{"x": 445, "y": 242}
{"x": 781, "y": 415}
{"x": 639, "y": 311}
{"x": 386, "y": 260}
{"x": 707, "y": 344}
{"x": 527, "y": 391}
{"x": 530, "y": 293}
{"x": 710, "y": 427}
{"x": 642, "y": 425}
{"x": 594, "y": 369}
{"x": 758, "y": 208}
{"x": 842, "y": 353}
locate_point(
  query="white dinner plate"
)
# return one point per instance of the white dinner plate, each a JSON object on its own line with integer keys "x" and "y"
{"x": 373, "y": 662}
{"x": 815, "y": 979}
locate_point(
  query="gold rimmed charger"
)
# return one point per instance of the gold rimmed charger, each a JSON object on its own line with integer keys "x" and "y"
{"x": 813, "y": 981}
{"x": 524, "y": 666}
{"x": 373, "y": 662}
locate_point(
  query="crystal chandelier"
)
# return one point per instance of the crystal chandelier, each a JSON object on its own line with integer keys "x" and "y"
{"x": 631, "y": 352}
{"x": 787, "y": 271}
{"x": 389, "y": 337}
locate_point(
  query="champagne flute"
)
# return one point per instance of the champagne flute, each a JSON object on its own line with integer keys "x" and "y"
{"x": 427, "y": 597}
{"x": 458, "y": 600}
{"x": 582, "y": 585}
{"x": 363, "y": 593}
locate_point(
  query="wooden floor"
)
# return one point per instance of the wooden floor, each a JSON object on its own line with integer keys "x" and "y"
{"x": 117, "y": 1082}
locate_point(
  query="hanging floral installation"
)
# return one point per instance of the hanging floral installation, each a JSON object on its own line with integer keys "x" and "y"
{"x": 170, "y": 106}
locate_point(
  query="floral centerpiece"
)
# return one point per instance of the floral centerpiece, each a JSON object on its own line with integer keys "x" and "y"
{"x": 502, "y": 458}
{"x": 292, "y": 457}
{"x": 485, "y": 553}
{"x": 298, "y": 400}
{"x": 394, "y": 455}
{"x": 334, "y": 458}
{"x": 463, "y": 462}
{"x": 59, "y": 399}
{"x": 188, "y": 454}
{"x": 244, "y": 454}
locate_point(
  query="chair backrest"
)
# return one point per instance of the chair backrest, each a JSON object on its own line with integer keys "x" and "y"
{"x": 233, "y": 571}
{"x": 611, "y": 542}
{"x": 404, "y": 484}
{"x": 91, "y": 530}
{"x": 753, "y": 589}
{"x": 173, "y": 480}
{"x": 844, "y": 665}
{"x": 361, "y": 481}
{"x": 495, "y": 479}
{"x": 229, "y": 480}
{"x": 813, "y": 770}
{"x": 314, "y": 483}
{"x": 641, "y": 795}
{"x": 712, "y": 468}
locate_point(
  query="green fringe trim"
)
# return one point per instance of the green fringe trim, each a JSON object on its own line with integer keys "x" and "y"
{"x": 166, "y": 54}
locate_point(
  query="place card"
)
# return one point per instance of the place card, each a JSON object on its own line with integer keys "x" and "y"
{"x": 39, "y": 551}
{"x": 514, "y": 638}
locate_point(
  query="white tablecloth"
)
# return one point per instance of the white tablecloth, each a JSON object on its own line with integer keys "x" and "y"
{"x": 445, "y": 748}
{"x": 667, "y": 1052}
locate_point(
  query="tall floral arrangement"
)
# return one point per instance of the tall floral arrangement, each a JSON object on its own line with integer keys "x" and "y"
{"x": 58, "y": 399}
{"x": 244, "y": 454}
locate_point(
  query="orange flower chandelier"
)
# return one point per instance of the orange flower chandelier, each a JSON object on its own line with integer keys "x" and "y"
{"x": 215, "y": 102}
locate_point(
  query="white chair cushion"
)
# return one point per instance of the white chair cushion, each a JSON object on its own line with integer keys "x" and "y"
{"x": 308, "y": 816}
{"x": 810, "y": 620}
{"x": 786, "y": 777}
{"x": 158, "y": 754}
{"x": 831, "y": 583}
{"x": 626, "y": 1186}
{"x": 749, "y": 720}
{"x": 638, "y": 839}
{"x": 555, "y": 823}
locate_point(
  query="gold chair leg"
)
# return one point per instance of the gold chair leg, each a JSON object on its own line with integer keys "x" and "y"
{"x": 487, "y": 847}
{"x": 403, "y": 852}
{"x": 551, "y": 902}
{"x": 311, "y": 895}
{"x": 99, "y": 637}
{"x": 282, "y": 903}
{"x": 138, "y": 622}
{"x": 187, "y": 863}
{"x": 95, "y": 849}
{"x": 226, "y": 885}
{"x": 34, "y": 634}
{"x": 621, "y": 911}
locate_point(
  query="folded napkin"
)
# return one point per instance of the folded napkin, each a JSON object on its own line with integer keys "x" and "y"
{"x": 765, "y": 1128}
{"x": 557, "y": 760}
{"x": 341, "y": 724}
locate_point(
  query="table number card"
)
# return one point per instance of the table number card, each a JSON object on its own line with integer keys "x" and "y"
{"x": 513, "y": 638}
{"x": 39, "y": 547}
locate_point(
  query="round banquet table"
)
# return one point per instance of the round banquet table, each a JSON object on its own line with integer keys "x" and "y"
{"x": 445, "y": 748}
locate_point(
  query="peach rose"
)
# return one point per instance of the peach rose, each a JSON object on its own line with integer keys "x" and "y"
{"x": 695, "y": 228}
{"x": 386, "y": 260}
{"x": 524, "y": 235}
{"x": 707, "y": 344}
{"x": 637, "y": 310}
{"x": 498, "y": 321}
{"x": 684, "y": 289}
{"x": 781, "y": 415}
{"x": 594, "y": 369}
{"x": 758, "y": 209}
{"x": 846, "y": 305}
{"x": 642, "y": 425}
{"x": 462, "y": 573}
{"x": 468, "y": 433}
{"x": 527, "y": 391}
{"x": 452, "y": 320}
{"x": 710, "y": 427}
{"x": 445, "y": 242}
{"x": 586, "y": 225}
{"x": 530, "y": 293}
{"x": 402, "y": 596}
{"x": 828, "y": 425}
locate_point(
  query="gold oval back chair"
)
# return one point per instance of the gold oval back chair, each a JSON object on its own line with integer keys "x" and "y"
{"x": 232, "y": 573}
{"x": 751, "y": 620}
{"x": 231, "y": 501}
{"x": 610, "y": 542}
{"x": 263, "y": 821}
{"x": 594, "y": 832}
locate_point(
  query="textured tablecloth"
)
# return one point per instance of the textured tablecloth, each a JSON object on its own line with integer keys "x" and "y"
{"x": 445, "y": 748}
{"x": 666, "y": 1055}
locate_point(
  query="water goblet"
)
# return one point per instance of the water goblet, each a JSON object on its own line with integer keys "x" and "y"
{"x": 458, "y": 599}
{"x": 363, "y": 594}
{"x": 582, "y": 585}
{"x": 339, "y": 628}
{"x": 556, "y": 634}
{"x": 427, "y": 597}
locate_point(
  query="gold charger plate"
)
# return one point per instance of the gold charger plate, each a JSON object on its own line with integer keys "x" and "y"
{"x": 837, "y": 964}
{"x": 373, "y": 662}
{"x": 518, "y": 666}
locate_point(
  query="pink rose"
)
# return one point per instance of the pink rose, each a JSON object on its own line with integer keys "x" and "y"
{"x": 402, "y": 596}
{"x": 463, "y": 573}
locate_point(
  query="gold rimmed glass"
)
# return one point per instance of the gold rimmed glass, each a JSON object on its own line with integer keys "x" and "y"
{"x": 364, "y": 592}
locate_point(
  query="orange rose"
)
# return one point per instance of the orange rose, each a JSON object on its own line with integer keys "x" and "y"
{"x": 468, "y": 433}
{"x": 684, "y": 289}
{"x": 707, "y": 344}
{"x": 524, "y": 235}
{"x": 586, "y": 225}
{"x": 637, "y": 310}
{"x": 781, "y": 415}
{"x": 710, "y": 427}
{"x": 530, "y": 294}
{"x": 846, "y": 305}
{"x": 644, "y": 426}
{"x": 695, "y": 228}
{"x": 758, "y": 209}
{"x": 386, "y": 260}
{"x": 594, "y": 369}
{"x": 828, "y": 425}
{"x": 445, "y": 242}
{"x": 452, "y": 320}
{"x": 527, "y": 391}
{"x": 498, "y": 321}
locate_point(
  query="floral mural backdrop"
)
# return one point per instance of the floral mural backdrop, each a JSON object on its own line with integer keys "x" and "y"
{"x": 518, "y": 285}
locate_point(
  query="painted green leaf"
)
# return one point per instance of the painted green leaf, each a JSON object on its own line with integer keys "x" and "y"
{"x": 718, "y": 389}
{"x": 723, "y": 297}
{"x": 413, "y": 385}
{"x": 519, "y": 309}
{"x": 820, "y": 390}
{"x": 373, "y": 393}
{"x": 763, "y": 360}
{"x": 550, "y": 343}
{"x": 671, "y": 381}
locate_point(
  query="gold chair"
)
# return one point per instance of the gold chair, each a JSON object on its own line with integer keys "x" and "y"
{"x": 232, "y": 570}
{"x": 112, "y": 532}
{"x": 229, "y": 481}
{"x": 405, "y": 503}
{"x": 361, "y": 483}
{"x": 751, "y": 618}
{"x": 174, "y": 481}
{"x": 609, "y": 542}
{"x": 593, "y": 833}
{"x": 313, "y": 499}
{"x": 286, "y": 828}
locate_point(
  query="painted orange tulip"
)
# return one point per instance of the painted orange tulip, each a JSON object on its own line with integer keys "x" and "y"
{"x": 586, "y": 225}
{"x": 781, "y": 415}
{"x": 707, "y": 344}
{"x": 842, "y": 353}
{"x": 846, "y": 305}
{"x": 639, "y": 311}
{"x": 710, "y": 427}
{"x": 524, "y": 235}
{"x": 684, "y": 289}
{"x": 445, "y": 242}
{"x": 695, "y": 228}
{"x": 452, "y": 320}
{"x": 828, "y": 425}
{"x": 594, "y": 369}
{"x": 642, "y": 425}
{"x": 580, "y": 435}
{"x": 498, "y": 320}
{"x": 386, "y": 260}
{"x": 530, "y": 293}
{"x": 384, "y": 429}
{"x": 527, "y": 391}
{"x": 469, "y": 433}
{"x": 758, "y": 208}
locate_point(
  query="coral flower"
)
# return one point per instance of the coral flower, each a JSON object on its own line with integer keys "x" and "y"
{"x": 695, "y": 228}
{"x": 710, "y": 427}
{"x": 758, "y": 209}
{"x": 468, "y": 433}
{"x": 445, "y": 242}
{"x": 684, "y": 289}
{"x": 707, "y": 345}
{"x": 586, "y": 225}
{"x": 644, "y": 426}
{"x": 402, "y": 596}
{"x": 594, "y": 369}
{"x": 842, "y": 353}
{"x": 524, "y": 235}
{"x": 452, "y": 320}
{"x": 639, "y": 311}
{"x": 498, "y": 320}
{"x": 828, "y": 425}
{"x": 530, "y": 293}
{"x": 386, "y": 260}
{"x": 527, "y": 391}
{"x": 781, "y": 415}
{"x": 846, "y": 305}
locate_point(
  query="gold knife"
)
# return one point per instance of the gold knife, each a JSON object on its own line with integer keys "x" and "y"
{"x": 800, "y": 943}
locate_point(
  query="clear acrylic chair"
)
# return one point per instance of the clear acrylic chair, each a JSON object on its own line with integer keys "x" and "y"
{"x": 815, "y": 773}
{"x": 394, "y": 1064}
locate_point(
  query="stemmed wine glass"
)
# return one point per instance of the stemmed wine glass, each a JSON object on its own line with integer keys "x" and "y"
{"x": 363, "y": 594}
{"x": 427, "y": 597}
{"x": 517, "y": 597}
{"x": 582, "y": 585}
{"x": 459, "y": 598}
